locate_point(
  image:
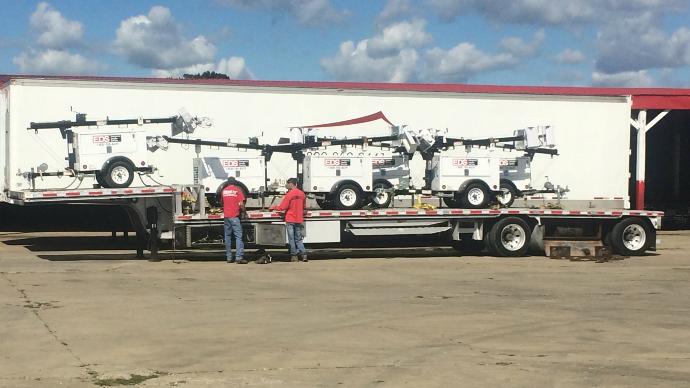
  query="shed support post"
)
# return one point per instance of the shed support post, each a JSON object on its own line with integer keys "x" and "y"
{"x": 641, "y": 158}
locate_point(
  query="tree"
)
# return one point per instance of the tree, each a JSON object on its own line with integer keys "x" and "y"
{"x": 206, "y": 75}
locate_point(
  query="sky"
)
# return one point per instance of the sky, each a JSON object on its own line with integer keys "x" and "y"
{"x": 635, "y": 43}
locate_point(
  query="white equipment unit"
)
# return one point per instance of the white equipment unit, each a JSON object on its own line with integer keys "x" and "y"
{"x": 340, "y": 179}
{"x": 467, "y": 180}
{"x": 114, "y": 153}
{"x": 213, "y": 172}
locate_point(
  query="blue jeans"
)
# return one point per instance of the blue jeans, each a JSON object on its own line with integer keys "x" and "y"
{"x": 294, "y": 232}
{"x": 233, "y": 227}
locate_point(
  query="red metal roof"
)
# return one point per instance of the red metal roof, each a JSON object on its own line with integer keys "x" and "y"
{"x": 643, "y": 98}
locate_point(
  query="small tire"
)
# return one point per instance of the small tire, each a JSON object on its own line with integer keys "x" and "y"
{"x": 217, "y": 201}
{"x": 118, "y": 174}
{"x": 451, "y": 202}
{"x": 630, "y": 237}
{"x": 381, "y": 199}
{"x": 475, "y": 196}
{"x": 507, "y": 195}
{"x": 325, "y": 204}
{"x": 99, "y": 179}
{"x": 510, "y": 237}
{"x": 347, "y": 197}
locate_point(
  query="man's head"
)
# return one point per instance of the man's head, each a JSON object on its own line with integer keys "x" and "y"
{"x": 291, "y": 183}
{"x": 232, "y": 180}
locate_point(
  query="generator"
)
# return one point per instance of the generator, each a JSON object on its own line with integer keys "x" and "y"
{"x": 337, "y": 180}
{"x": 112, "y": 150}
{"x": 464, "y": 180}
{"x": 212, "y": 173}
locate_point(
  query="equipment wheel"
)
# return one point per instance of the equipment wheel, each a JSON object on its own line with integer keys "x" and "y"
{"x": 118, "y": 174}
{"x": 451, "y": 202}
{"x": 100, "y": 180}
{"x": 325, "y": 204}
{"x": 475, "y": 196}
{"x": 507, "y": 195}
{"x": 510, "y": 237}
{"x": 631, "y": 237}
{"x": 217, "y": 201}
{"x": 348, "y": 197}
{"x": 379, "y": 197}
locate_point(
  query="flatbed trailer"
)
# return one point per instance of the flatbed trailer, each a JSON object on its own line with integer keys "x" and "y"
{"x": 177, "y": 213}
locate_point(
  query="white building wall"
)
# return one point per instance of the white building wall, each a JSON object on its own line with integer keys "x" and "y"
{"x": 592, "y": 133}
{"x": 4, "y": 124}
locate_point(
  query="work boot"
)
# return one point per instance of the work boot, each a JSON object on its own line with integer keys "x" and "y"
{"x": 303, "y": 257}
{"x": 241, "y": 261}
{"x": 294, "y": 258}
{"x": 230, "y": 261}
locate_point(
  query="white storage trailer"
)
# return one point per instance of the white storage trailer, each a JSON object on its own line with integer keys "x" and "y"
{"x": 593, "y": 132}
{"x": 593, "y": 160}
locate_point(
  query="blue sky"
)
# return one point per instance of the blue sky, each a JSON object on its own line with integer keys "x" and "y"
{"x": 516, "y": 42}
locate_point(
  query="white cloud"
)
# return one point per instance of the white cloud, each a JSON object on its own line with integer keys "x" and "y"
{"x": 520, "y": 11}
{"x": 397, "y": 37}
{"x": 624, "y": 79}
{"x": 520, "y": 48}
{"x": 51, "y": 62}
{"x": 155, "y": 41}
{"x": 401, "y": 52}
{"x": 550, "y": 11}
{"x": 233, "y": 67}
{"x": 393, "y": 10}
{"x": 306, "y": 12}
{"x": 569, "y": 56}
{"x": 54, "y": 31}
{"x": 50, "y": 52}
{"x": 462, "y": 62}
{"x": 353, "y": 63}
{"x": 638, "y": 43}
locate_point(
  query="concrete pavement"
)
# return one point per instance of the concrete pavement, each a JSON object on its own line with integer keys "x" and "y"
{"x": 79, "y": 310}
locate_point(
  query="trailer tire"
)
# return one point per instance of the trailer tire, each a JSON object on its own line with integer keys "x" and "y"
{"x": 451, "y": 202}
{"x": 507, "y": 195}
{"x": 325, "y": 204}
{"x": 118, "y": 174}
{"x": 383, "y": 199}
{"x": 510, "y": 237}
{"x": 99, "y": 179}
{"x": 630, "y": 237}
{"x": 218, "y": 200}
{"x": 348, "y": 197}
{"x": 475, "y": 196}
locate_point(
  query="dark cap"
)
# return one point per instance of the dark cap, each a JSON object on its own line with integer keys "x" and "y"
{"x": 293, "y": 181}
{"x": 232, "y": 180}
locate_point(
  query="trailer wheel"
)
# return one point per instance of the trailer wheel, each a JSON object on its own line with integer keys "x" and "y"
{"x": 118, "y": 174}
{"x": 507, "y": 195}
{"x": 381, "y": 198}
{"x": 218, "y": 200}
{"x": 475, "y": 196}
{"x": 450, "y": 202}
{"x": 348, "y": 197}
{"x": 99, "y": 179}
{"x": 510, "y": 237}
{"x": 630, "y": 237}
{"x": 325, "y": 204}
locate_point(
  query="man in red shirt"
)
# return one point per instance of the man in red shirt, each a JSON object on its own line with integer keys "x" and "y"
{"x": 233, "y": 204}
{"x": 293, "y": 204}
